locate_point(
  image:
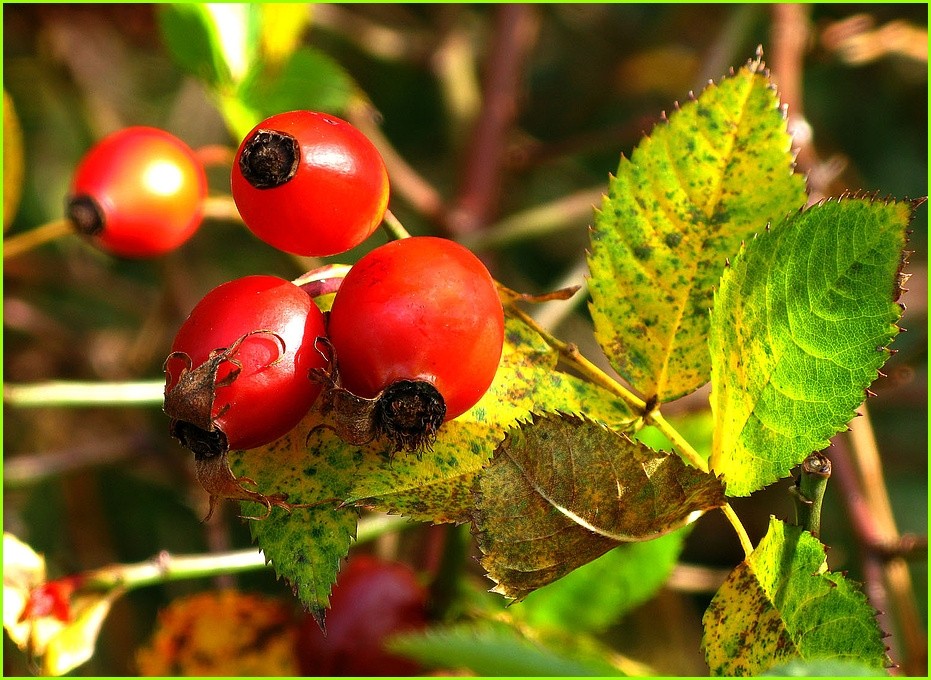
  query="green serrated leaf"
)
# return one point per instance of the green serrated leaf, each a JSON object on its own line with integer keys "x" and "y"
{"x": 496, "y": 650}
{"x": 719, "y": 170}
{"x": 438, "y": 486}
{"x": 304, "y": 546}
{"x": 798, "y": 332}
{"x": 598, "y": 594}
{"x": 563, "y": 490}
{"x": 782, "y": 604}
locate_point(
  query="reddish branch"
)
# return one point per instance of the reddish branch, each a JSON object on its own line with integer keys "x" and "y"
{"x": 887, "y": 581}
{"x": 513, "y": 37}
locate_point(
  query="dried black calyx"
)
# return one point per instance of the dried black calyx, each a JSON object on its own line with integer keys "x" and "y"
{"x": 409, "y": 412}
{"x": 269, "y": 159}
{"x": 85, "y": 214}
{"x": 190, "y": 403}
{"x": 202, "y": 443}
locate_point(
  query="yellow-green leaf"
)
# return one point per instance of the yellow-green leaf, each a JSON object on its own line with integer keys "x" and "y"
{"x": 313, "y": 465}
{"x": 800, "y": 329}
{"x": 563, "y": 490}
{"x": 58, "y": 646}
{"x": 782, "y": 603}
{"x": 718, "y": 171}
{"x": 282, "y": 27}
{"x": 305, "y": 546}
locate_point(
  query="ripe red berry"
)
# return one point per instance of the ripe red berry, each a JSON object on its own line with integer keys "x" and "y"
{"x": 138, "y": 193}
{"x": 372, "y": 599}
{"x": 309, "y": 183}
{"x": 417, "y": 325}
{"x": 238, "y": 374}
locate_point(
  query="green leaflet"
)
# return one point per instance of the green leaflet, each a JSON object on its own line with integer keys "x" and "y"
{"x": 718, "y": 171}
{"x": 562, "y": 491}
{"x": 251, "y": 60}
{"x": 781, "y": 603}
{"x": 799, "y": 331}
{"x": 304, "y": 546}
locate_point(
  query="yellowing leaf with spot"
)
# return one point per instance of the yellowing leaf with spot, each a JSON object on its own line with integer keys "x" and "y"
{"x": 782, "y": 603}
{"x": 717, "y": 172}
{"x": 563, "y": 490}
{"x": 800, "y": 327}
{"x": 437, "y": 487}
{"x": 314, "y": 466}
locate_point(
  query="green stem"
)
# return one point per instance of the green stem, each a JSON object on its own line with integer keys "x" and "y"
{"x": 808, "y": 492}
{"x": 739, "y": 528}
{"x": 686, "y": 450}
{"x": 571, "y": 354}
{"x": 166, "y": 567}
{"x": 393, "y": 226}
{"x": 24, "y": 242}
{"x": 79, "y": 393}
{"x": 444, "y": 587}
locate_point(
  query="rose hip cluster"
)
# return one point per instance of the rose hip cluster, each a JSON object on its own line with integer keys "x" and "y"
{"x": 413, "y": 338}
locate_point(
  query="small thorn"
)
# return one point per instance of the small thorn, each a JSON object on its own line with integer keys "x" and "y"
{"x": 870, "y": 393}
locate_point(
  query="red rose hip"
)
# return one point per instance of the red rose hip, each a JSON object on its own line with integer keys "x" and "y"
{"x": 372, "y": 600}
{"x": 309, "y": 183}
{"x": 417, "y": 326}
{"x": 238, "y": 375}
{"x": 138, "y": 193}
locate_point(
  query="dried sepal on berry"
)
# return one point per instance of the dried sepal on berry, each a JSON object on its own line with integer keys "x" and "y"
{"x": 407, "y": 413}
{"x": 190, "y": 405}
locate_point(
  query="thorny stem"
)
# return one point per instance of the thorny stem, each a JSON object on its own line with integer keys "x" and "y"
{"x": 562, "y": 213}
{"x": 18, "y": 244}
{"x": 901, "y": 595}
{"x": 808, "y": 492}
{"x": 405, "y": 180}
{"x": 165, "y": 567}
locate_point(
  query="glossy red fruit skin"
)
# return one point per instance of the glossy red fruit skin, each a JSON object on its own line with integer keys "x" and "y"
{"x": 273, "y": 392}
{"x": 335, "y": 200}
{"x": 372, "y": 599}
{"x": 421, "y": 308}
{"x": 149, "y": 187}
